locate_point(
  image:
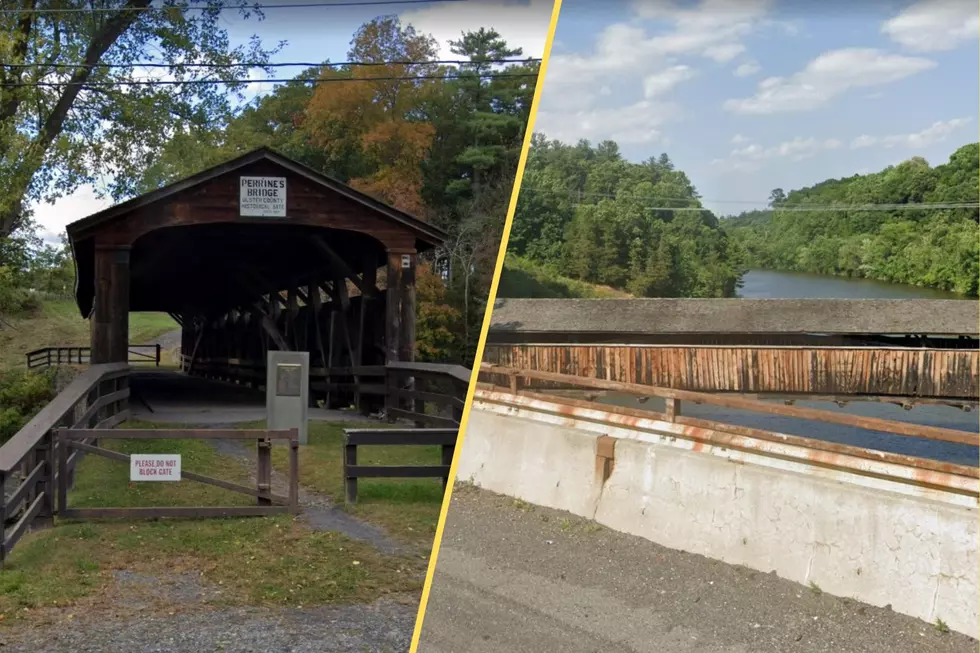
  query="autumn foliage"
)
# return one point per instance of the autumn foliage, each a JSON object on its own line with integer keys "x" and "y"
{"x": 438, "y": 322}
{"x": 379, "y": 121}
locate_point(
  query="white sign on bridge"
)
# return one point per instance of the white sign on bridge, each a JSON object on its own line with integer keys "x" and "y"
{"x": 154, "y": 467}
{"x": 262, "y": 197}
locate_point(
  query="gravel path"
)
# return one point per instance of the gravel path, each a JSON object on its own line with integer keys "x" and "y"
{"x": 519, "y": 578}
{"x": 167, "y": 341}
{"x": 382, "y": 627}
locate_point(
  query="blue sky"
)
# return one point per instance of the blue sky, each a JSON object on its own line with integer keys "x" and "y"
{"x": 321, "y": 33}
{"x": 750, "y": 95}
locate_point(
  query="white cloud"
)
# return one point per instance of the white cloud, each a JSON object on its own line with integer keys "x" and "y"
{"x": 753, "y": 157}
{"x": 54, "y": 217}
{"x": 863, "y": 141}
{"x": 664, "y": 81}
{"x": 738, "y": 139}
{"x": 747, "y": 69}
{"x": 635, "y": 123}
{"x": 937, "y": 132}
{"x": 523, "y": 25}
{"x": 829, "y": 75}
{"x": 934, "y": 25}
{"x": 714, "y": 30}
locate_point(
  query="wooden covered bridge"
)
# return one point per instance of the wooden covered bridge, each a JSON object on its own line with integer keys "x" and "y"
{"x": 260, "y": 253}
{"x": 904, "y": 351}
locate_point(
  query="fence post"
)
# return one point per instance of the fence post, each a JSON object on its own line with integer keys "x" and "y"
{"x": 350, "y": 460}
{"x": 264, "y": 475}
{"x": 158, "y": 354}
{"x": 62, "y": 471}
{"x": 673, "y": 408}
{"x": 46, "y": 516}
{"x": 447, "y": 459}
{"x": 391, "y": 394}
{"x": 294, "y": 471}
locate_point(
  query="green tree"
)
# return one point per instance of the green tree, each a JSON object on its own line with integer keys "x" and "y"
{"x": 90, "y": 116}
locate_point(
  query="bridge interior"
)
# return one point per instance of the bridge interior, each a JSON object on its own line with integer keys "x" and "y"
{"x": 333, "y": 273}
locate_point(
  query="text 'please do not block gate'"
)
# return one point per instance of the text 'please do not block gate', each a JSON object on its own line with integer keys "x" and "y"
{"x": 167, "y": 467}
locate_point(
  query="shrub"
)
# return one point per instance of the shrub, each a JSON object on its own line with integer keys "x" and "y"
{"x": 22, "y": 395}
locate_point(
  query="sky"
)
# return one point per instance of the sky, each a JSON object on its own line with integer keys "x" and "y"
{"x": 317, "y": 34}
{"x": 750, "y": 95}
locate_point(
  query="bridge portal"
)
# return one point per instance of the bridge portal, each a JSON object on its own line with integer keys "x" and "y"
{"x": 255, "y": 254}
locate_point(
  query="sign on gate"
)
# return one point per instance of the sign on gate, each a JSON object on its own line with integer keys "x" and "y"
{"x": 263, "y": 197}
{"x": 154, "y": 467}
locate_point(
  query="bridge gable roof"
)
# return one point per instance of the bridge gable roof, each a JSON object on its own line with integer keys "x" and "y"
{"x": 427, "y": 235}
{"x": 736, "y": 316}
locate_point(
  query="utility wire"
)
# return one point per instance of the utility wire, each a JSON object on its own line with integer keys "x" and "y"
{"x": 71, "y": 66}
{"x": 212, "y": 7}
{"x": 807, "y": 209}
{"x": 232, "y": 82}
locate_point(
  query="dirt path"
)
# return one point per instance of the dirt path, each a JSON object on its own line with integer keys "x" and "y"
{"x": 518, "y": 578}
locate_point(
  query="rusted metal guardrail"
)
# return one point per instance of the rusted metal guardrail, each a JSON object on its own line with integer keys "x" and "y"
{"x": 499, "y": 381}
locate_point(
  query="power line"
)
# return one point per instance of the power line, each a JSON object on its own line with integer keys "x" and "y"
{"x": 808, "y": 209}
{"x": 232, "y": 82}
{"x": 257, "y": 64}
{"x": 213, "y": 7}
{"x": 797, "y": 208}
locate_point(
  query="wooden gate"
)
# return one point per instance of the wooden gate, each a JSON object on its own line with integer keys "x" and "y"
{"x": 268, "y": 503}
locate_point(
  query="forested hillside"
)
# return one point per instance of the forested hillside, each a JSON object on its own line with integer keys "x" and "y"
{"x": 935, "y": 247}
{"x": 636, "y": 227}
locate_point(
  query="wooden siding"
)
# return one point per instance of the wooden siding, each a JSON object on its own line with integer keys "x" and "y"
{"x": 934, "y": 373}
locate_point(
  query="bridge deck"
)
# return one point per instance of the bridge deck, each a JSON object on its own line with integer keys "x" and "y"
{"x": 164, "y": 396}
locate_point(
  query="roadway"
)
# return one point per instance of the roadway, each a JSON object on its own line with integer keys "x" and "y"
{"x": 520, "y": 578}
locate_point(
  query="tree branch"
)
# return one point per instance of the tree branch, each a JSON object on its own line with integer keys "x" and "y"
{"x": 110, "y": 31}
{"x": 19, "y": 51}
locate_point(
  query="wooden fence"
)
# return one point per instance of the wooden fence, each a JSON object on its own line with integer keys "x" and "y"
{"x": 353, "y": 438}
{"x": 268, "y": 502}
{"x": 96, "y": 399}
{"x": 70, "y": 355}
{"x": 430, "y": 394}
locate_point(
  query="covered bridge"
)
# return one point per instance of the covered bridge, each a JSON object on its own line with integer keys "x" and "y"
{"x": 258, "y": 253}
{"x": 910, "y": 349}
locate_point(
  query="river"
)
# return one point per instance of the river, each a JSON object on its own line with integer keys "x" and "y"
{"x": 768, "y": 284}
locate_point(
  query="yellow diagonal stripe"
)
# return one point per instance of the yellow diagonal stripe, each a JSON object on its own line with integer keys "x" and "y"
{"x": 434, "y": 557}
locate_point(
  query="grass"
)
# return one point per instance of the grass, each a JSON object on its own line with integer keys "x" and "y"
{"x": 406, "y": 508}
{"x": 249, "y": 561}
{"x": 527, "y": 279}
{"x": 58, "y": 322}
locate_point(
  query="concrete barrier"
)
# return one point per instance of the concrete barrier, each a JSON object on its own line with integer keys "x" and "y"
{"x": 876, "y": 540}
